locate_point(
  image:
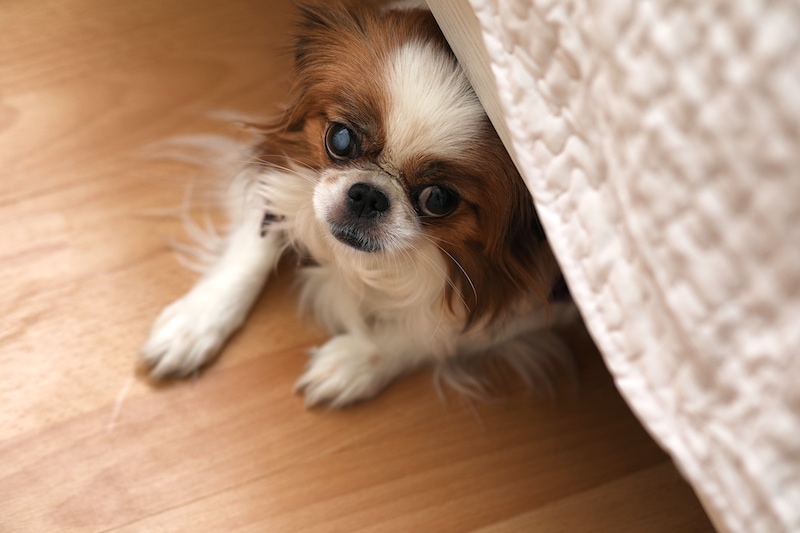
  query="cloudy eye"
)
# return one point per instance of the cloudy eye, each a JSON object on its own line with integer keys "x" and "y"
{"x": 341, "y": 143}
{"x": 436, "y": 201}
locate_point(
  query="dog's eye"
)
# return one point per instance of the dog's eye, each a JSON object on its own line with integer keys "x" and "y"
{"x": 436, "y": 201}
{"x": 341, "y": 143}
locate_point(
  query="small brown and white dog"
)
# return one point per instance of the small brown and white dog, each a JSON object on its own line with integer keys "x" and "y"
{"x": 418, "y": 238}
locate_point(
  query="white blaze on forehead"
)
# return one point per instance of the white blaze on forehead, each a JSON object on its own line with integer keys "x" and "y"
{"x": 432, "y": 108}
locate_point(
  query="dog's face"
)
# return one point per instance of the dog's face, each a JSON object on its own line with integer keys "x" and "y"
{"x": 392, "y": 179}
{"x": 405, "y": 154}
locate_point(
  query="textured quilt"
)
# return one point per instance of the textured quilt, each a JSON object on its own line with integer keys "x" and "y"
{"x": 661, "y": 143}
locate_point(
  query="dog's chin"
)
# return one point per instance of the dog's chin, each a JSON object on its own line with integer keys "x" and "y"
{"x": 356, "y": 238}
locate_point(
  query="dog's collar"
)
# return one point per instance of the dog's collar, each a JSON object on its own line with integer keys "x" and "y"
{"x": 268, "y": 220}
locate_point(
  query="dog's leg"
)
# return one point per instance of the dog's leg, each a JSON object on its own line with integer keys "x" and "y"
{"x": 357, "y": 365}
{"x": 353, "y": 366}
{"x": 190, "y": 332}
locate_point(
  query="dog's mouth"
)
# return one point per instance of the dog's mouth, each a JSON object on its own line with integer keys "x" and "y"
{"x": 356, "y": 238}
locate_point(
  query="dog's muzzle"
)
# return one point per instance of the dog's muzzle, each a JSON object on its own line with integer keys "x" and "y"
{"x": 360, "y": 227}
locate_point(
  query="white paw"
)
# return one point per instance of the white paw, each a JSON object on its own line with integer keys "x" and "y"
{"x": 344, "y": 370}
{"x": 189, "y": 333}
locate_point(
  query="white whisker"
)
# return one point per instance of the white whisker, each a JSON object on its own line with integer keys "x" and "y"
{"x": 455, "y": 261}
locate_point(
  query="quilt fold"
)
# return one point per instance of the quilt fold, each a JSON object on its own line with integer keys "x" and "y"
{"x": 661, "y": 143}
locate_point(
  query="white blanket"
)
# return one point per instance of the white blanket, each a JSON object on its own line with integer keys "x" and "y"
{"x": 661, "y": 142}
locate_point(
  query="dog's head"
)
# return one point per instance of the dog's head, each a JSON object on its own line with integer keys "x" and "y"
{"x": 406, "y": 157}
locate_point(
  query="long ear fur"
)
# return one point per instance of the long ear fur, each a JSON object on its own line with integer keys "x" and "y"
{"x": 322, "y": 32}
{"x": 514, "y": 264}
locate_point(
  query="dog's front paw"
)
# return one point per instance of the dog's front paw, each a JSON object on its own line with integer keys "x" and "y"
{"x": 344, "y": 370}
{"x": 187, "y": 335}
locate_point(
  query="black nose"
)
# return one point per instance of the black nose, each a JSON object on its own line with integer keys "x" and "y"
{"x": 366, "y": 201}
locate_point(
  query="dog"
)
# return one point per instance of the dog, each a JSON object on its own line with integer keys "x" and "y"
{"x": 418, "y": 241}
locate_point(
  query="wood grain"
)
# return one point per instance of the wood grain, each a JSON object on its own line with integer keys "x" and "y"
{"x": 86, "y": 86}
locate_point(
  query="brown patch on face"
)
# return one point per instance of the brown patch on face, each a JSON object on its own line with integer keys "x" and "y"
{"x": 340, "y": 56}
{"x": 494, "y": 255}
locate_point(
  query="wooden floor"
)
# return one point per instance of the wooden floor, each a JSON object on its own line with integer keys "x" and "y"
{"x": 87, "y": 445}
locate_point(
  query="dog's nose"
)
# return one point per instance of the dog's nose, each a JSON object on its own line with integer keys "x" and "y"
{"x": 367, "y": 201}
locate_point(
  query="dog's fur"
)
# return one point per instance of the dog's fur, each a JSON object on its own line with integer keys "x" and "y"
{"x": 419, "y": 237}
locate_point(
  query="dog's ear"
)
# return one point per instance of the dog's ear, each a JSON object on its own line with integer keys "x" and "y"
{"x": 503, "y": 258}
{"x": 318, "y": 33}
{"x": 327, "y": 38}
{"x": 320, "y": 28}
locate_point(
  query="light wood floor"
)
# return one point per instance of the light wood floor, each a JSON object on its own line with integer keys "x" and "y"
{"x": 86, "y": 445}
